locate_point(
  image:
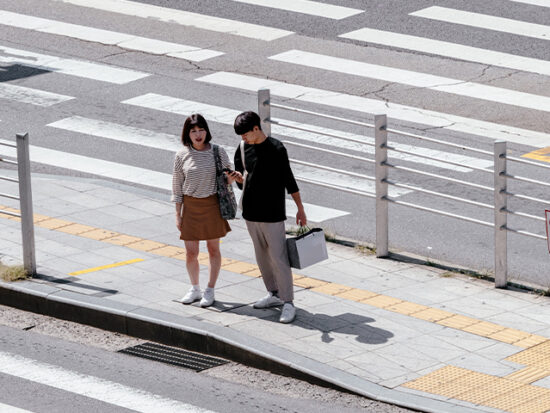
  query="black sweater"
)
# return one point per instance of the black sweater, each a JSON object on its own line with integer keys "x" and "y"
{"x": 269, "y": 174}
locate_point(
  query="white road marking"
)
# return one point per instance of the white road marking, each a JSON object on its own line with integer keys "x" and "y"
{"x": 32, "y": 96}
{"x": 453, "y": 50}
{"x": 313, "y": 8}
{"x": 365, "y": 105}
{"x": 122, "y": 40}
{"x": 484, "y": 21}
{"x": 227, "y": 116}
{"x": 184, "y": 18}
{"x": 89, "y": 386}
{"x": 6, "y": 408}
{"x": 542, "y": 3}
{"x": 421, "y": 80}
{"x": 79, "y": 68}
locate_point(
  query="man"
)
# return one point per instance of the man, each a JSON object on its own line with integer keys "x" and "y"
{"x": 263, "y": 204}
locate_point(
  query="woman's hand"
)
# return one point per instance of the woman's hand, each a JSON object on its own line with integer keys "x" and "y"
{"x": 234, "y": 176}
{"x": 179, "y": 222}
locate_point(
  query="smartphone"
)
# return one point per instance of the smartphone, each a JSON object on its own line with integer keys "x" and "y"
{"x": 229, "y": 171}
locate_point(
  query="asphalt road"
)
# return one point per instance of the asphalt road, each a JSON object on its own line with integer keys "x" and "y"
{"x": 427, "y": 235}
{"x": 31, "y": 345}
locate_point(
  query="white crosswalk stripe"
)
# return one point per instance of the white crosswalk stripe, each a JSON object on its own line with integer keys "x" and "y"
{"x": 542, "y": 3}
{"x": 89, "y": 386}
{"x": 347, "y": 141}
{"x": 184, "y": 18}
{"x": 122, "y": 40}
{"x": 421, "y": 80}
{"x": 312, "y": 8}
{"x": 484, "y": 21}
{"x": 448, "y": 49}
{"x": 6, "y": 408}
{"x": 361, "y": 104}
{"x": 31, "y": 96}
{"x": 79, "y": 68}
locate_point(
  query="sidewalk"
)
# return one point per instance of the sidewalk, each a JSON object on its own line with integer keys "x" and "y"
{"x": 412, "y": 335}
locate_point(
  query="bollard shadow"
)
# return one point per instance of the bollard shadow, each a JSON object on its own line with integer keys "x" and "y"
{"x": 346, "y": 323}
{"x": 76, "y": 282}
{"x": 18, "y": 71}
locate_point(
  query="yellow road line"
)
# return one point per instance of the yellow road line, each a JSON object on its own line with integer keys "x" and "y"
{"x": 540, "y": 154}
{"x": 104, "y": 267}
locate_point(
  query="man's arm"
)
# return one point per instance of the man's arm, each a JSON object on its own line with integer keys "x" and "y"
{"x": 301, "y": 218}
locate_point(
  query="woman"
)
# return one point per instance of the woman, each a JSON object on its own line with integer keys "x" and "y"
{"x": 198, "y": 214}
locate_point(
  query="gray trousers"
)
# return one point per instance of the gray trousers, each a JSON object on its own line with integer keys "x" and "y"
{"x": 269, "y": 241}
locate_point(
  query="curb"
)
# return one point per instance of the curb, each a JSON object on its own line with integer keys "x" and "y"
{"x": 203, "y": 337}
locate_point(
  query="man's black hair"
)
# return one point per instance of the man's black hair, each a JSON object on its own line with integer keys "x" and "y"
{"x": 246, "y": 121}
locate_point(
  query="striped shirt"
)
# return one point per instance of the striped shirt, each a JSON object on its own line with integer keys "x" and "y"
{"x": 195, "y": 173}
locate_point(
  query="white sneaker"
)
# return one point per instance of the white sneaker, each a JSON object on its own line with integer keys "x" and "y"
{"x": 191, "y": 296}
{"x": 269, "y": 300}
{"x": 288, "y": 314}
{"x": 207, "y": 297}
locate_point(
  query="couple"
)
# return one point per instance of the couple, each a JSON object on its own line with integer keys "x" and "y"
{"x": 198, "y": 217}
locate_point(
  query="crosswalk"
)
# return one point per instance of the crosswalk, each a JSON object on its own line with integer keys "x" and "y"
{"x": 137, "y": 95}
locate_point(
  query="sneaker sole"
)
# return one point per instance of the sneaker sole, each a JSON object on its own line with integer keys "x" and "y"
{"x": 268, "y": 306}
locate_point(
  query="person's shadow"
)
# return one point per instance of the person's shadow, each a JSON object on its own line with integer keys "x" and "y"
{"x": 345, "y": 323}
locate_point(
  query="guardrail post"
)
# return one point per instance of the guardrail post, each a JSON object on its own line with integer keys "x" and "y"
{"x": 25, "y": 199}
{"x": 501, "y": 233}
{"x": 264, "y": 110}
{"x": 381, "y": 174}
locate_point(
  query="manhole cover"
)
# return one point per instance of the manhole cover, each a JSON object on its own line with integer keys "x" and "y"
{"x": 174, "y": 356}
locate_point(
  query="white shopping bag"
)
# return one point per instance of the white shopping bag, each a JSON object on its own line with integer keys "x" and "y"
{"x": 307, "y": 249}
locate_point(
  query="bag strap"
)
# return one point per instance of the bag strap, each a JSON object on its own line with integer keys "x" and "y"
{"x": 241, "y": 145}
{"x": 217, "y": 159}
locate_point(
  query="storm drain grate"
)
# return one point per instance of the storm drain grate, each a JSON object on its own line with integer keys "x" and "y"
{"x": 174, "y": 356}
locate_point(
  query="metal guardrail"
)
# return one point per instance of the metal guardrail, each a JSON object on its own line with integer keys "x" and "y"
{"x": 24, "y": 198}
{"x": 382, "y": 167}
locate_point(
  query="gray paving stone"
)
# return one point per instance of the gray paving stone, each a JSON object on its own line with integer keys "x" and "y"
{"x": 124, "y": 212}
{"x": 112, "y": 194}
{"x": 466, "y": 341}
{"x": 378, "y": 366}
{"x": 517, "y": 321}
{"x": 440, "y": 350}
{"x": 87, "y": 201}
{"x": 472, "y": 307}
{"x": 56, "y": 248}
{"x": 151, "y": 206}
{"x": 93, "y": 218}
{"x": 407, "y": 357}
{"x": 482, "y": 364}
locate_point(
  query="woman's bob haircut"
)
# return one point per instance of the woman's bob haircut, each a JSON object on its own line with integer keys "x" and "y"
{"x": 194, "y": 120}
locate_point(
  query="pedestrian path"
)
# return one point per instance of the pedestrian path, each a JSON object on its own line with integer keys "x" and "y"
{"x": 421, "y": 333}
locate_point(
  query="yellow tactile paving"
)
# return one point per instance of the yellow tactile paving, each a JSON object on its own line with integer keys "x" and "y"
{"x": 122, "y": 240}
{"x": 168, "y": 251}
{"x": 254, "y": 273}
{"x": 37, "y": 217}
{"x": 145, "y": 245}
{"x": 382, "y": 301}
{"x": 331, "y": 289}
{"x": 181, "y": 257}
{"x": 543, "y": 347}
{"x": 437, "y": 378}
{"x": 75, "y": 229}
{"x": 531, "y": 341}
{"x": 489, "y": 388}
{"x": 239, "y": 267}
{"x": 99, "y": 234}
{"x": 534, "y": 406}
{"x": 523, "y": 395}
{"x": 53, "y": 223}
{"x": 356, "y": 294}
{"x": 509, "y": 335}
{"x": 457, "y": 321}
{"x": 483, "y": 328}
{"x": 529, "y": 375}
{"x": 204, "y": 258}
{"x": 432, "y": 314}
{"x": 407, "y": 308}
{"x": 306, "y": 282}
{"x": 531, "y": 358}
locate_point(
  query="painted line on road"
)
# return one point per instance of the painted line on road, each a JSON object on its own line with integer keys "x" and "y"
{"x": 141, "y": 176}
{"x": 31, "y": 96}
{"x": 348, "y": 140}
{"x": 104, "y": 267}
{"x": 184, "y": 18}
{"x": 542, "y": 154}
{"x": 484, "y": 21}
{"x": 122, "y": 40}
{"x": 542, "y": 3}
{"x": 79, "y": 68}
{"x": 312, "y": 8}
{"x": 365, "y": 105}
{"x": 422, "y": 312}
{"x": 417, "y": 79}
{"x": 6, "y": 408}
{"x": 452, "y": 50}
{"x": 90, "y": 386}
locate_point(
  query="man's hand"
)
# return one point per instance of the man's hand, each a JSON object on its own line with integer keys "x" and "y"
{"x": 301, "y": 218}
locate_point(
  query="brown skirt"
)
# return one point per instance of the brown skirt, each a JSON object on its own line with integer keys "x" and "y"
{"x": 202, "y": 219}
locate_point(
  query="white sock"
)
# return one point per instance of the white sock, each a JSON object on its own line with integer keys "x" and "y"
{"x": 196, "y": 287}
